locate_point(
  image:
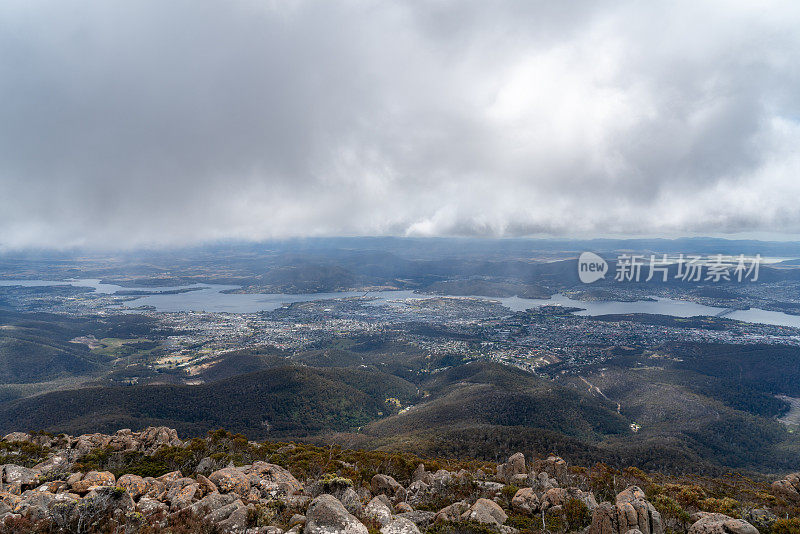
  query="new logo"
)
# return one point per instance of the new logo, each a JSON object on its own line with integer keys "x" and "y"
{"x": 591, "y": 267}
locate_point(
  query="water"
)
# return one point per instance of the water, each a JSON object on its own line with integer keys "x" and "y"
{"x": 209, "y": 298}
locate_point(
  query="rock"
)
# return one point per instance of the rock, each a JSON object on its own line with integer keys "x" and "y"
{"x": 148, "y": 507}
{"x": 452, "y": 512}
{"x": 153, "y": 438}
{"x": 388, "y": 486}
{"x": 403, "y": 507}
{"x": 170, "y": 477}
{"x": 206, "y": 466}
{"x": 490, "y": 490}
{"x": 400, "y": 525}
{"x": 788, "y": 488}
{"x": 230, "y": 480}
{"x": 275, "y": 478}
{"x": 485, "y": 511}
{"x": 230, "y": 517}
{"x": 326, "y": 515}
{"x": 761, "y": 518}
{"x": 420, "y": 475}
{"x": 632, "y": 512}
{"x": 92, "y": 480}
{"x": 17, "y": 436}
{"x": 525, "y": 501}
{"x": 297, "y": 519}
{"x": 709, "y": 523}
{"x": 515, "y": 465}
{"x": 180, "y": 498}
{"x": 417, "y": 492}
{"x": 133, "y": 484}
{"x": 421, "y": 518}
{"x": 379, "y": 509}
{"x": 555, "y": 467}
{"x": 17, "y": 479}
{"x": 349, "y": 498}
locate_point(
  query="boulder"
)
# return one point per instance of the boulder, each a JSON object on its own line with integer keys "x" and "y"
{"x": 133, "y": 484}
{"x": 452, "y": 512}
{"x": 710, "y": 523}
{"x": 231, "y": 480}
{"x": 379, "y": 509}
{"x": 631, "y": 512}
{"x": 515, "y": 465}
{"x": 93, "y": 479}
{"x": 485, "y": 511}
{"x": 384, "y": 484}
{"x": 400, "y": 525}
{"x": 326, "y": 515}
{"x": 525, "y": 501}
{"x": 275, "y": 478}
{"x": 423, "y": 519}
{"x": 17, "y": 479}
{"x": 788, "y": 488}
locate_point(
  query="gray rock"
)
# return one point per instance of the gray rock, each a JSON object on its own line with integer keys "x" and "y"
{"x": 708, "y": 523}
{"x": 421, "y": 518}
{"x": 379, "y": 510}
{"x": 400, "y": 525}
{"x": 525, "y": 501}
{"x": 326, "y": 515}
{"x": 485, "y": 511}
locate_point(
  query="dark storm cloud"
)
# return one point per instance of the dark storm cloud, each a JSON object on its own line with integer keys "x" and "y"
{"x": 160, "y": 122}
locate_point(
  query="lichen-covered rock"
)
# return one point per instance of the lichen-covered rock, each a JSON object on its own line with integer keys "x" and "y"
{"x": 231, "y": 480}
{"x": 133, "y": 484}
{"x": 17, "y": 479}
{"x": 326, "y": 515}
{"x": 709, "y": 523}
{"x": 93, "y": 479}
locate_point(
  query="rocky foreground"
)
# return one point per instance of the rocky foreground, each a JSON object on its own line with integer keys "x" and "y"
{"x": 543, "y": 495}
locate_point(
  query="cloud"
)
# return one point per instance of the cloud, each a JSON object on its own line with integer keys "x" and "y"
{"x": 174, "y": 122}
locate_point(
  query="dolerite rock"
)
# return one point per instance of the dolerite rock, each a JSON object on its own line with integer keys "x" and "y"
{"x": 384, "y": 484}
{"x": 17, "y": 479}
{"x": 709, "y": 523}
{"x": 525, "y": 501}
{"x": 788, "y": 488}
{"x": 631, "y": 512}
{"x": 231, "y": 480}
{"x": 400, "y": 525}
{"x": 326, "y": 515}
{"x": 379, "y": 509}
{"x": 17, "y": 436}
{"x": 554, "y": 466}
{"x": 133, "y": 484}
{"x": 486, "y": 512}
{"x": 452, "y": 512}
{"x": 420, "y": 475}
{"x": 275, "y": 478}
{"x": 93, "y": 479}
{"x": 421, "y": 518}
{"x": 514, "y": 466}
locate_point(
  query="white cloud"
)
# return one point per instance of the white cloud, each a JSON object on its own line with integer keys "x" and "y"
{"x": 173, "y": 122}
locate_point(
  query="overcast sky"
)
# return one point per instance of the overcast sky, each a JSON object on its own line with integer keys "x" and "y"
{"x": 142, "y": 122}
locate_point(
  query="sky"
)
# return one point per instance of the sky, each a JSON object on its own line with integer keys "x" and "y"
{"x": 174, "y": 122}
